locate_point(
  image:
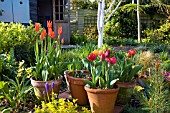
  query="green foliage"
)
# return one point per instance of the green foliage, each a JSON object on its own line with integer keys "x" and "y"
{"x": 49, "y": 62}
{"x": 91, "y": 33}
{"x": 8, "y": 65}
{"x": 123, "y": 24}
{"x": 16, "y": 35}
{"x": 84, "y": 4}
{"x": 166, "y": 65}
{"x": 76, "y": 38}
{"x": 16, "y": 91}
{"x": 60, "y": 106}
{"x": 117, "y": 41}
{"x": 157, "y": 48}
{"x": 155, "y": 98}
{"x": 160, "y": 35}
{"x": 126, "y": 68}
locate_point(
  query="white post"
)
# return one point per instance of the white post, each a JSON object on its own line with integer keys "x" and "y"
{"x": 100, "y": 18}
{"x": 138, "y": 18}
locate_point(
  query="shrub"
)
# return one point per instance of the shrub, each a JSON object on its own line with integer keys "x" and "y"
{"x": 76, "y": 38}
{"x": 161, "y": 34}
{"x": 60, "y": 106}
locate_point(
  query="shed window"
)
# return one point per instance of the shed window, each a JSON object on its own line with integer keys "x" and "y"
{"x": 61, "y": 9}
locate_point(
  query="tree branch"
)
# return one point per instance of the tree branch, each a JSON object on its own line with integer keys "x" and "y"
{"x": 110, "y": 7}
{"x": 113, "y": 11}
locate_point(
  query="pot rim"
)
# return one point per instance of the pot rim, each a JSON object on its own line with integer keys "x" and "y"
{"x": 91, "y": 90}
{"x": 60, "y": 78}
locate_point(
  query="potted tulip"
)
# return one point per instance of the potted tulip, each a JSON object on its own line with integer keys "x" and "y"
{"x": 101, "y": 90}
{"x": 74, "y": 77}
{"x": 126, "y": 70}
{"x": 48, "y": 61}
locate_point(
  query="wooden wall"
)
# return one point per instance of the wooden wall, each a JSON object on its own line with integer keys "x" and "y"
{"x": 77, "y": 19}
{"x": 33, "y": 10}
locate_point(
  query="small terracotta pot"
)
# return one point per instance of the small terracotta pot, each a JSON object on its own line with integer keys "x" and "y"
{"x": 125, "y": 93}
{"x": 102, "y": 100}
{"x": 39, "y": 87}
{"x": 76, "y": 87}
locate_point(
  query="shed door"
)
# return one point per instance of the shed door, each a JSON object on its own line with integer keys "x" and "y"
{"x": 62, "y": 18}
{"x": 6, "y": 6}
{"x": 15, "y": 11}
{"x": 21, "y": 11}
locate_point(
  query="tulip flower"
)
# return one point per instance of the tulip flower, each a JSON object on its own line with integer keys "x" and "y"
{"x": 91, "y": 57}
{"x": 43, "y": 34}
{"x": 128, "y": 54}
{"x": 52, "y": 34}
{"x": 95, "y": 52}
{"x": 37, "y": 26}
{"x": 107, "y": 53}
{"x": 132, "y": 52}
{"x": 102, "y": 57}
{"x": 49, "y": 24}
{"x": 111, "y": 60}
{"x": 100, "y": 52}
{"x": 60, "y": 30}
{"x": 62, "y": 41}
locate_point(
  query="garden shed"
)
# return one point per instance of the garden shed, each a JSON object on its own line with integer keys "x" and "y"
{"x": 38, "y": 11}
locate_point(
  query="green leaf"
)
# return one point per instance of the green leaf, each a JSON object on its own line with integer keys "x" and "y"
{"x": 88, "y": 82}
{"x": 101, "y": 82}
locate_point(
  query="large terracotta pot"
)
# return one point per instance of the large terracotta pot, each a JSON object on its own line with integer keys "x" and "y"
{"x": 39, "y": 87}
{"x": 125, "y": 92}
{"x": 76, "y": 87}
{"x": 102, "y": 100}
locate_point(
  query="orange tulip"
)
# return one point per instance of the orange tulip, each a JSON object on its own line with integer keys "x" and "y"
{"x": 49, "y": 24}
{"x": 50, "y": 31}
{"x": 95, "y": 52}
{"x": 43, "y": 34}
{"x": 60, "y": 30}
{"x": 100, "y": 52}
{"x": 52, "y": 34}
{"x": 37, "y": 26}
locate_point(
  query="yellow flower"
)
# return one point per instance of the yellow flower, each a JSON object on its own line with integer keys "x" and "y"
{"x": 19, "y": 74}
{"x": 150, "y": 101}
{"x": 139, "y": 88}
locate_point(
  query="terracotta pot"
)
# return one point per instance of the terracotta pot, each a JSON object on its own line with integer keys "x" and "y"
{"x": 125, "y": 92}
{"x": 76, "y": 87}
{"x": 102, "y": 100}
{"x": 39, "y": 87}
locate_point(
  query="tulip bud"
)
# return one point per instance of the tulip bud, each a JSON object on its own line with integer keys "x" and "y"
{"x": 46, "y": 86}
{"x": 37, "y": 26}
{"x": 52, "y": 85}
{"x": 62, "y": 41}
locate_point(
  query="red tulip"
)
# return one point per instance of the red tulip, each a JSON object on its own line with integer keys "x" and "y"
{"x": 43, "y": 34}
{"x": 52, "y": 34}
{"x": 91, "y": 57}
{"x": 37, "y": 26}
{"x": 107, "y": 53}
{"x": 60, "y": 30}
{"x": 128, "y": 54}
{"x": 102, "y": 57}
{"x": 111, "y": 60}
{"x": 49, "y": 24}
{"x": 132, "y": 52}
